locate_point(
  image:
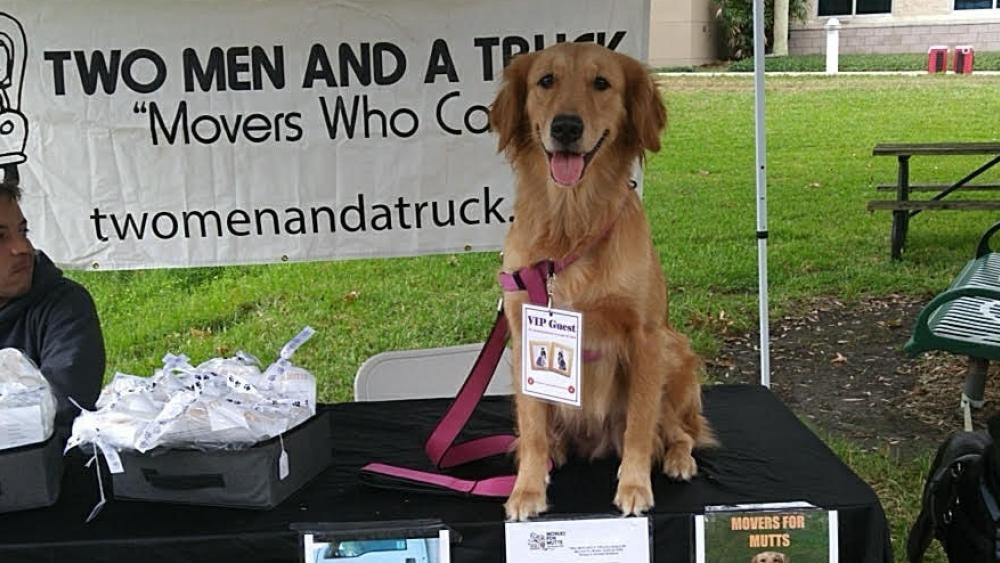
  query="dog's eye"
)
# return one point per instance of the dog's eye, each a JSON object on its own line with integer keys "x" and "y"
{"x": 547, "y": 81}
{"x": 601, "y": 83}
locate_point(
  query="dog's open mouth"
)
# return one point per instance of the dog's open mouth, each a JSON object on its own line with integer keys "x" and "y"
{"x": 567, "y": 167}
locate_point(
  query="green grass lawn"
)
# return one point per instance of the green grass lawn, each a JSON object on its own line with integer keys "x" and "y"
{"x": 699, "y": 196}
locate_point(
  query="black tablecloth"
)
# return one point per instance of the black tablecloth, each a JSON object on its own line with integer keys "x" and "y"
{"x": 767, "y": 455}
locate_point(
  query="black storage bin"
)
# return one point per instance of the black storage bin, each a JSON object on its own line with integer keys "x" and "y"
{"x": 30, "y": 475}
{"x": 236, "y": 479}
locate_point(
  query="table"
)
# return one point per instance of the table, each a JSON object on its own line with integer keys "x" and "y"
{"x": 767, "y": 455}
{"x": 903, "y": 208}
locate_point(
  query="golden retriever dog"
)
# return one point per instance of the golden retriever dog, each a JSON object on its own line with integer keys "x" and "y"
{"x": 573, "y": 119}
{"x": 769, "y": 557}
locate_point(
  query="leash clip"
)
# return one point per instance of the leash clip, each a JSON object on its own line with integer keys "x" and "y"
{"x": 550, "y": 280}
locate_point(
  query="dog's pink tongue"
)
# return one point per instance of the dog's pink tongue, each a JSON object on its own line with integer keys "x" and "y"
{"x": 566, "y": 168}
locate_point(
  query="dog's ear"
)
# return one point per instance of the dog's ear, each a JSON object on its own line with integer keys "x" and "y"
{"x": 647, "y": 115}
{"x": 507, "y": 117}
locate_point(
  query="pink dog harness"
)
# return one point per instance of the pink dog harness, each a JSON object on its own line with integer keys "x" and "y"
{"x": 440, "y": 447}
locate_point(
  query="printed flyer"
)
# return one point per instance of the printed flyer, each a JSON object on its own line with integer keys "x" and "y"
{"x": 597, "y": 540}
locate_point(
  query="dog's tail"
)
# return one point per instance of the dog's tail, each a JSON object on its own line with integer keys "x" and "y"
{"x": 699, "y": 428}
{"x": 704, "y": 436}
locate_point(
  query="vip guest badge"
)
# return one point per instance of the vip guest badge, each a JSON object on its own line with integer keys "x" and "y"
{"x": 552, "y": 340}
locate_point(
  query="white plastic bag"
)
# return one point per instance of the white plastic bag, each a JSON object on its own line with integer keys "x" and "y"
{"x": 27, "y": 405}
{"x": 223, "y": 403}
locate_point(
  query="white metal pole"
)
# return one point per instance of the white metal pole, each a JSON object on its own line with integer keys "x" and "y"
{"x": 832, "y": 27}
{"x": 761, "y": 168}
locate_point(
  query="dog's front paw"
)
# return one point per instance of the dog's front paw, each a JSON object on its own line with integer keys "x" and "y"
{"x": 525, "y": 503}
{"x": 680, "y": 464}
{"x": 634, "y": 498}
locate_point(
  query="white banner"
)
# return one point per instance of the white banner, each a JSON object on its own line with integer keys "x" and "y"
{"x": 192, "y": 132}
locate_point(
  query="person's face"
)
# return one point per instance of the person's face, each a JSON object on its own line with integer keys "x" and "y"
{"x": 17, "y": 256}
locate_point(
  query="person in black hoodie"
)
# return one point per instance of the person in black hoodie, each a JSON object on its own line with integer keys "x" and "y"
{"x": 50, "y": 318}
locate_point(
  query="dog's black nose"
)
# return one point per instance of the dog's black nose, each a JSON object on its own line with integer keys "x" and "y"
{"x": 567, "y": 128}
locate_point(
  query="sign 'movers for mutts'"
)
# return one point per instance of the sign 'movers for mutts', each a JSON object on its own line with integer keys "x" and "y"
{"x": 781, "y": 532}
{"x": 299, "y": 130}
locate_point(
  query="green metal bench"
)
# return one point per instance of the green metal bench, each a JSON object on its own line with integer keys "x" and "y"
{"x": 965, "y": 319}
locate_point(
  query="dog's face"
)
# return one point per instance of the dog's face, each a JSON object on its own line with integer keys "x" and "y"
{"x": 769, "y": 557}
{"x": 574, "y": 104}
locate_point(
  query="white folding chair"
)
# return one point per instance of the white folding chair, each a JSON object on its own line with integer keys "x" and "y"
{"x": 425, "y": 373}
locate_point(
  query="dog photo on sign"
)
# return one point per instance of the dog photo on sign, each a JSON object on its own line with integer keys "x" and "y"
{"x": 540, "y": 353}
{"x": 562, "y": 358}
{"x": 573, "y": 120}
{"x": 770, "y": 557}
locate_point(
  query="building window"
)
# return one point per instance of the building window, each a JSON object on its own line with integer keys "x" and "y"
{"x": 975, "y": 4}
{"x": 856, "y": 7}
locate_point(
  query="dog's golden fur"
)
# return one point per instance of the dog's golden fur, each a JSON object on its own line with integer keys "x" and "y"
{"x": 641, "y": 398}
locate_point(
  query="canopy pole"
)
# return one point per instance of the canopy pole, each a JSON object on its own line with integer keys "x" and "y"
{"x": 761, "y": 169}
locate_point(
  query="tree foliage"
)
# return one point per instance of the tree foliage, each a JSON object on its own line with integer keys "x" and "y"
{"x": 736, "y": 24}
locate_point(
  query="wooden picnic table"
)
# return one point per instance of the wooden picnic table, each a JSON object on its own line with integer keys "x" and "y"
{"x": 903, "y": 208}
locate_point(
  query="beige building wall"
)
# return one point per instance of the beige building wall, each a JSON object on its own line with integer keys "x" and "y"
{"x": 682, "y": 33}
{"x": 912, "y": 27}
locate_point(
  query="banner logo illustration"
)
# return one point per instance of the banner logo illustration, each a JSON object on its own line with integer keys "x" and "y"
{"x": 13, "y": 124}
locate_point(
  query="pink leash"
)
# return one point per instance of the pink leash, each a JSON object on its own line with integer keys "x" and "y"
{"x": 440, "y": 447}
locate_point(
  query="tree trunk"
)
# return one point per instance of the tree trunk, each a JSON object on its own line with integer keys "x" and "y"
{"x": 780, "y": 28}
